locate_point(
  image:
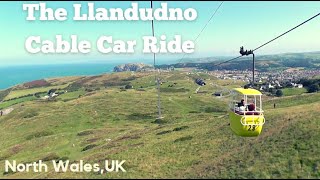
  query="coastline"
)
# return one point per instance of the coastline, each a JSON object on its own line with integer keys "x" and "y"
{"x": 15, "y": 75}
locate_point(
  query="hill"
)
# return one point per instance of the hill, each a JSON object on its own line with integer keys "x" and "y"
{"x": 96, "y": 119}
{"x": 131, "y": 67}
{"x": 308, "y": 60}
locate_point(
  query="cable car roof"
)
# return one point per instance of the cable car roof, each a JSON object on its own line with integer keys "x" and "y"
{"x": 248, "y": 91}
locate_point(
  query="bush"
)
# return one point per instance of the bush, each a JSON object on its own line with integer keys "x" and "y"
{"x": 73, "y": 87}
{"x": 30, "y": 114}
{"x": 128, "y": 86}
{"x": 39, "y": 134}
{"x": 183, "y": 139}
{"x": 89, "y": 90}
{"x": 180, "y": 128}
{"x": 89, "y": 147}
{"x": 159, "y": 121}
{"x": 84, "y": 133}
{"x": 9, "y": 172}
{"x": 129, "y": 78}
{"x": 163, "y": 132}
{"x": 139, "y": 116}
{"x": 194, "y": 112}
{"x": 140, "y": 90}
{"x": 38, "y": 94}
{"x": 64, "y": 158}
{"x": 272, "y": 90}
{"x": 288, "y": 85}
{"x": 114, "y": 82}
{"x": 279, "y": 93}
{"x": 173, "y": 90}
{"x": 313, "y": 88}
{"x": 306, "y": 82}
{"x": 51, "y": 156}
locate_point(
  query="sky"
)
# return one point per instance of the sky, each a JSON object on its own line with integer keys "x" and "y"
{"x": 236, "y": 23}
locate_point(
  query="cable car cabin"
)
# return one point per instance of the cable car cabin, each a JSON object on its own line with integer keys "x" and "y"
{"x": 246, "y": 115}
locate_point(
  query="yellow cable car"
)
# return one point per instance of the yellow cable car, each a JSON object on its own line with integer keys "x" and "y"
{"x": 246, "y": 114}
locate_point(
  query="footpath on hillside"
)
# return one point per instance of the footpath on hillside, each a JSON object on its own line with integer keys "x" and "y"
{"x": 7, "y": 111}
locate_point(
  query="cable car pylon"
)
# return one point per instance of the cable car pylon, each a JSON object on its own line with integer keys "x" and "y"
{"x": 246, "y": 53}
{"x": 157, "y": 79}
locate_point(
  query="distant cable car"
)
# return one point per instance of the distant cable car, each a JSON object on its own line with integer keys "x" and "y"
{"x": 246, "y": 114}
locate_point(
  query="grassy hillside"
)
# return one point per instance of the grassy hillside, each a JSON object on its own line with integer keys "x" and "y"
{"x": 293, "y": 91}
{"x": 24, "y": 92}
{"x": 100, "y": 121}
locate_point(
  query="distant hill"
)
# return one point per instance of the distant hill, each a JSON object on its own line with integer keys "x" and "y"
{"x": 131, "y": 67}
{"x": 309, "y": 60}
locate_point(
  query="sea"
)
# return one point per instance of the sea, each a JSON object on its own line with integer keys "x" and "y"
{"x": 12, "y": 75}
{"x": 17, "y": 74}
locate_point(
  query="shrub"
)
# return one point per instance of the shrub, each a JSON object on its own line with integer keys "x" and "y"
{"x": 183, "y": 139}
{"x": 159, "y": 121}
{"x": 174, "y": 90}
{"x": 51, "y": 156}
{"x": 128, "y": 86}
{"x": 30, "y": 114}
{"x": 194, "y": 112}
{"x": 90, "y": 146}
{"x": 313, "y": 88}
{"x": 163, "y": 132}
{"x": 139, "y": 116}
{"x": 8, "y": 172}
{"x": 279, "y": 93}
{"x": 89, "y": 90}
{"x": 39, "y": 134}
{"x": 84, "y": 133}
{"x": 129, "y": 78}
{"x": 73, "y": 87}
{"x": 180, "y": 128}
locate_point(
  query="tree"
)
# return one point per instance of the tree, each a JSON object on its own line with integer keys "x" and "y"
{"x": 313, "y": 88}
{"x": 305, "y": 82}
{"x": 279, "y": 93}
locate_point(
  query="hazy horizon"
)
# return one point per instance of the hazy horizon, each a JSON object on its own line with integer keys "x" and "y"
{"x": 146, "y": 61}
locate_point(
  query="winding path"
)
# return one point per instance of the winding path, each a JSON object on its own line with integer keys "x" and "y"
{"x": 7, "y": 111}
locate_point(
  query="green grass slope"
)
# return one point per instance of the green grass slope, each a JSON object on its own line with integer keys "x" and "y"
{"x": 193, "y": 140}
